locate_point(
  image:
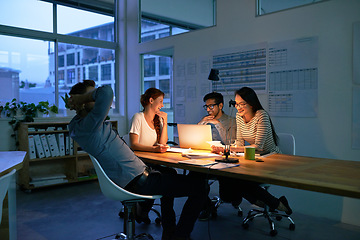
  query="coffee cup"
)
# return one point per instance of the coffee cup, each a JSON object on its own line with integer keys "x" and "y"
{"x": 249, "y": 153}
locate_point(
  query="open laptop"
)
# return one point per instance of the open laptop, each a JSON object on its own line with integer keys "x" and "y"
{"x": 194, "y": 136}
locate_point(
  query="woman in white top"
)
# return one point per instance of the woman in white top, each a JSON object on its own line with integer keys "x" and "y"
{"x": 148, "y": 130}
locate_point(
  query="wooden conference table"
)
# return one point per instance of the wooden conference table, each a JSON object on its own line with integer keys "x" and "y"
{"x": 338, "y": 177}
{"x": 9, "y": 161}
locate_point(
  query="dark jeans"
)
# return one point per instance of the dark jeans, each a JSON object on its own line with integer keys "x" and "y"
{"x": 170, "y": 185}
{"x": 231, "y": 189}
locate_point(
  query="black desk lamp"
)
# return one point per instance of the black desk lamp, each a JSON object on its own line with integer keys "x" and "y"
{"x": 214, "y": 76}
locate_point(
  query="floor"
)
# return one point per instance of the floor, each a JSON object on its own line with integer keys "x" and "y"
{"x": 79, "y": 211}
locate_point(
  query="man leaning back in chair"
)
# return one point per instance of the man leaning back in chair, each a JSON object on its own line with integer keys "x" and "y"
{"x": 89, "y": 129}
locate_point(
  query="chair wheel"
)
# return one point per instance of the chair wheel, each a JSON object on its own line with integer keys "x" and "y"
{"x": 292, "y": 226}
{"x": 273, "y": 233}
{"x": 278, "y": 218}
{"x": 240, "y": 213}
{"x": 158, "y": 221}
{"x": 245, "y": 225}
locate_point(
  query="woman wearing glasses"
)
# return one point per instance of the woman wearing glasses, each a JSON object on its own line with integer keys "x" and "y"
{"x": 255, "y": 127}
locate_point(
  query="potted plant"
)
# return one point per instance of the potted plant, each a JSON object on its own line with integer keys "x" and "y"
{"x": 53, "y": 110}
{"x": 29, "y": 111}
{"x": 43, "y": 108}
{"x": 11, "y": 108}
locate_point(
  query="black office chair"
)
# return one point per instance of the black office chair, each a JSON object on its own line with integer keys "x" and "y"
{"x": 287, "y": 146}
{"x": 217, "y": 202}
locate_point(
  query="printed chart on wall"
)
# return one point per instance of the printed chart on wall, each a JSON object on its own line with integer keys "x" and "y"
{"x": 240, "y": 67}
{"x": 293, "y": 78}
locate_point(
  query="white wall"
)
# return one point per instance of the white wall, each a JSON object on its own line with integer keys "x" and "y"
{"x": 329, "y": 134}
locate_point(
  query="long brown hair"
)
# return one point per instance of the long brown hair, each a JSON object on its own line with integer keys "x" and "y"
{"x": 250, "y": 97}
{"x": 153, "y": 93}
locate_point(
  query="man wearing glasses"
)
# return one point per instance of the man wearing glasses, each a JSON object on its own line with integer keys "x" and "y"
{"x": 223, "y": 129}
{"x": 223, "y": 126}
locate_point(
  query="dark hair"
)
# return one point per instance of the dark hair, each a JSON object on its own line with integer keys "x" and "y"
{"x": 218, "y": 97}
{"x": 153, "y": 93}
{"x": 251, "y": 98}
{"x": 80, "y": 87}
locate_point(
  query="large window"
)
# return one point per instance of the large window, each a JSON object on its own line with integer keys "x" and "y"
{"x": 157, "y": 73}
{"x": 149, "y": 67}
{"x": 151, "y": 29}
{"x": 93, "y": 73}
{"x": 28, "y": 63}
{"x": 87, "y": 24}
{"x": 24, "y": 68}
{"x": 31, "y": 14}
{"x": 106, "y": 72}
{"x": 270, "y": 6}
{"x": 164, "y": 18}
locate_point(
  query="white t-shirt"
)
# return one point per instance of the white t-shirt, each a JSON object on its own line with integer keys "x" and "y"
{"x": 139, "y": 126}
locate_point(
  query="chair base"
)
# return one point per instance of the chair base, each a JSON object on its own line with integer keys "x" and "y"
{"x": 129, "y": 223}
{"x": 142, "y": 236}
{"x": 269, "y": 215}
{"x": 148, "y": 221}
{"x": 217, "y": 202}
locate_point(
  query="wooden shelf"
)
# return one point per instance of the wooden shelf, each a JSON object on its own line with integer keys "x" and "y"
{"x": 47, "y": 132}
{"x": 53, "y": 158}
{"x": 74, "y": 168}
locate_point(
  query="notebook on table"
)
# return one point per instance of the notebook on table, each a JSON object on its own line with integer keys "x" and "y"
{"x": 194, "y": 136}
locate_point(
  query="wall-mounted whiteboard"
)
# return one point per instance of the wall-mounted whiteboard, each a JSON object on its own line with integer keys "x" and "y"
{"x": 292, "y": 75}
{"x": 287, "y": 71}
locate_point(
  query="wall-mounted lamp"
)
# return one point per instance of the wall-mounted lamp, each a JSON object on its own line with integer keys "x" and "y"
{"x": 214, "y": 76}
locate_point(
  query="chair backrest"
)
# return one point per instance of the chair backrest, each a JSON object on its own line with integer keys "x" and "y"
{"x": 112, "y": 190}
{"x": 286, "y": 143}
{"x": 4, "y": 186}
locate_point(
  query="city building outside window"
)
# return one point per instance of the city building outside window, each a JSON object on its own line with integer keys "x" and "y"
{"x": 157, "y": 74}
{"x": 32, "y": 58}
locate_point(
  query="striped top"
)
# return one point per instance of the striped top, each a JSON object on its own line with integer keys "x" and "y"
{"x": 257, "y": 131}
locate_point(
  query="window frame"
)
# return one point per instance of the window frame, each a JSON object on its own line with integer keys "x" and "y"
{"x": 259, "y": 8}
{"x": 67, "y": 39}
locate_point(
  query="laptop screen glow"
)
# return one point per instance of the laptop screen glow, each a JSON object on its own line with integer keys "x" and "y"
{"x": 194, "y": 136}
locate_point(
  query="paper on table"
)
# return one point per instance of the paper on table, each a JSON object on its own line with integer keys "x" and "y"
{"x": 200, "y": 162}
{"x": 179, "y": 150}
{"x": 222, "y": 165}
{"x": 199, "y": 154}
{"x": 268, "y": 154}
